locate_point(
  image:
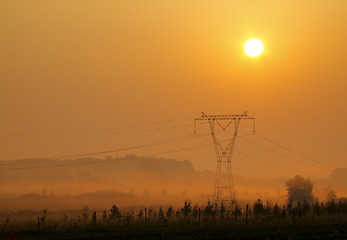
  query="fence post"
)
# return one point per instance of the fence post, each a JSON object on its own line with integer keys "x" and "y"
{"x": 145, "y": 219}
{"x": 94, "y": 219}
{"x": 199, "y": 217}
{"x": 38, "y": 224}
{"x": 246, "y": 215}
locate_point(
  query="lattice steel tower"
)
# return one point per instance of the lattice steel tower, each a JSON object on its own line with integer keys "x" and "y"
{"x": 224, "y": 186}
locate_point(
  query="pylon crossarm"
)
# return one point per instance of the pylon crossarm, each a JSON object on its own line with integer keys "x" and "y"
{"x": 233, "y": 117}
{"x": 224, "y": 128}
{"x": 224, "y": 117}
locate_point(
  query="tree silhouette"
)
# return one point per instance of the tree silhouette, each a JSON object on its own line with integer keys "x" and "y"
{"x": 195, "y": 212}
{"x": 140, "y": 214}
{"x": 85, "y": 214}
{"x": 317, "y": 209}
{"x": 44, "y": 217}
{"x": 276, "y": 212}
{"x": 208, "y": 211}
{"x": 284, "y": 212}
{"x": 331, "y": 195}
{"x": 306, "y": 208}
{"x": 331, "y": 207}
{"x": 169, "y": 212}
{"x": 187, "y": 209}
{"x": 299, "y": 190}
{"x": 115, "y": 213}
{"x": 258, "y": 208}
{"x": 237, "y": 211}
{"x": 222, "y": 211}
{"x": 104, "y": 216}
{"x": 161, "y": 214}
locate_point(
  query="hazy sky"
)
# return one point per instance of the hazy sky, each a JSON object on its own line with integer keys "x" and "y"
{"x": 71, "y": 69}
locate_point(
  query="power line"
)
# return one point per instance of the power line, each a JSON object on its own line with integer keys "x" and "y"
{"x": 183, "y": 138}
{"x": 251, "y": 157}
{"x": 301, "y": 138}
{"x": 174, "y": 124}
{"x": 238, "y": 152}
{"x": 292, "y": 151}
{"x": 265, "y": 162}
{"x": 279, "y": 154}
{"x": 92, "y": 133}
{"x": 61, "y": 165}
{"x": 167, "y": 141}
{"x": 102, "y": 160}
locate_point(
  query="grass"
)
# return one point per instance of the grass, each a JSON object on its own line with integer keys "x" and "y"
{"x": 329, "y": 221}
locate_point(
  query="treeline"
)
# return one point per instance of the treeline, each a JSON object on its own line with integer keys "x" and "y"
{"x": 306, "y": 210}
{"x": 189, "y": 215}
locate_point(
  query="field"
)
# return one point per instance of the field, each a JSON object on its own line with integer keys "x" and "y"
{"x": 317, "y": 221}
{"x": 330, "y": 231}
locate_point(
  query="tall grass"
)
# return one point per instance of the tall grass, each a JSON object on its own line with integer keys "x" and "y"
{"x": 189, "y": 216}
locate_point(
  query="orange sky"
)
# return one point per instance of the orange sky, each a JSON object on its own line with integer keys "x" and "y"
{"x": 71, "y": 67}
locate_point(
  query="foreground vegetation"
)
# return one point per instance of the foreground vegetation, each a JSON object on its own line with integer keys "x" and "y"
{"x": 261, "y": 220}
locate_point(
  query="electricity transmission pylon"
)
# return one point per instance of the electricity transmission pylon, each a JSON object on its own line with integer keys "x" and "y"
{"x": 224, "y": 186}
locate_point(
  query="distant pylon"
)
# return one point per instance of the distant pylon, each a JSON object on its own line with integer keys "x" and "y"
{"x": 224, "y": 185}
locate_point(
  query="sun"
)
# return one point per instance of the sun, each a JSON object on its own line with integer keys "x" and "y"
{"x": 253, "y": 47}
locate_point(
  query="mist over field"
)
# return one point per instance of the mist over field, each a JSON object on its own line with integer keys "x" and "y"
{"x": 133, "y": 181}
